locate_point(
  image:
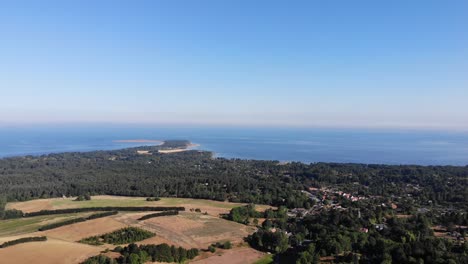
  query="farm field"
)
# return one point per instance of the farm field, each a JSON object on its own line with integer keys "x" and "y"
{"x": 49, "y": 252}
{"x": 189, "y": 229}
{"x": 31, "y": 224}
{"x": 211, "y": 207}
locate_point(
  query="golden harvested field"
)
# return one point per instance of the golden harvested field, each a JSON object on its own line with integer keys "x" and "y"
{"x": 82, "y": 230}
{"x": 211, "y": 207}
{"x": 53, "y": 251}
{"x": 195, "y": 230}
{"x": 189, "y": 229}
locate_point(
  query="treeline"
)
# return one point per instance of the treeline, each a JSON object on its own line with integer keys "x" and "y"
{"x": 122, "y": 236}
{"x": 76, "y": 220}
{"x": 19, "y": 214}
{"x": 134, "y": 254}
{"x": 22, "y": 240}
{"x": 148, "y": 216}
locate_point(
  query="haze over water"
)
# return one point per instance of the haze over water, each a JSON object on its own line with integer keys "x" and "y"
{"x": 305, "y": 145}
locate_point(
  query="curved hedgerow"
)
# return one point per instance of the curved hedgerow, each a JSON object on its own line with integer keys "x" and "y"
{"x": 76, "y": 220}
{"x": 23, "y": 240}
{"x": 148, "y": 216}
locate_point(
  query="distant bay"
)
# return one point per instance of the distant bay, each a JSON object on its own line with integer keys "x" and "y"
{"x": 304, "y": 145}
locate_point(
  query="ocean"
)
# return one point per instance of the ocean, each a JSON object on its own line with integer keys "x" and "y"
{"x": 304, "y": 145}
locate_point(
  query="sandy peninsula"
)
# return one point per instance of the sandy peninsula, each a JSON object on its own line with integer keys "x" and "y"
{"x": 175, "y": 150}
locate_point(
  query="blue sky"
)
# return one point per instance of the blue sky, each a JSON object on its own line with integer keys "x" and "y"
{"x": 377, "y": 64}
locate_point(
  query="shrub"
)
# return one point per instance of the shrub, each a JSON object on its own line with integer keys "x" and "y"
{"x": 85, "y": 197}
{"x": 227, "y": 245}
{"x": 212, "y": 249}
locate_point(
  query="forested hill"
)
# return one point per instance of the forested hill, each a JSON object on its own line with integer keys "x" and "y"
{"x": 143, "y": 171}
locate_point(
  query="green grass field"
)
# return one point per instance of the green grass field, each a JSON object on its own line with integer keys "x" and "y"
{"x": 31, "y": 224}
{"x": 138, "y": 201}
{"x": 67, "y": 203}
{"x": 182, "y": 201}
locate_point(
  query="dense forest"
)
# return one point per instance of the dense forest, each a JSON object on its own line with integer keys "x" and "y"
{"x": 196, "y": 174}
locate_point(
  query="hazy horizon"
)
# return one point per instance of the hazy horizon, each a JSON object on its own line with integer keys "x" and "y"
{"x": 363, "y": 65}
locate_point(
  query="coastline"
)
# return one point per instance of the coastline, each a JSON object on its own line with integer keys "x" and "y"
{"x": 190, "y": 146}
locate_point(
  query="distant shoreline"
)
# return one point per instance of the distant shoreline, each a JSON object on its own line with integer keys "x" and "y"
{"x": 139, "y": 141}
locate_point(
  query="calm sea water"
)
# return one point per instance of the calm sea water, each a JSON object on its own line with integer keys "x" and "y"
{"x": 305, "y": 145}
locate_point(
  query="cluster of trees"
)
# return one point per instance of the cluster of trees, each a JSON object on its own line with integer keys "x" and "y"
{"x": 157, "y": 253}
{"x": 76, "y": 220}
{"x": 225, "y": 245}
{"x": 244, "y": 214}
{"x": 266, "y": 240}
{"x": 165, "y": 213}
{"x": 86, "y": 197}
{"x": 134, "y": 254}
{"x": 153, "y": 199}
{"x": 122, "y": 236}
{"x": 22, "y": 240}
